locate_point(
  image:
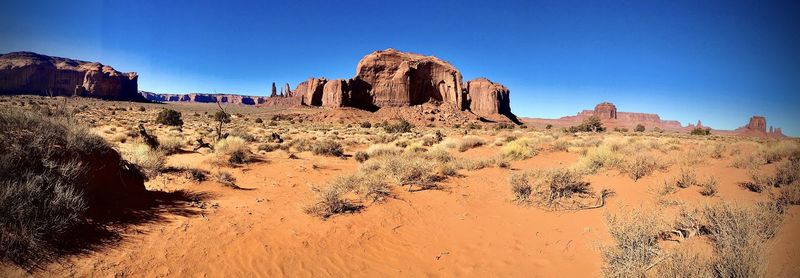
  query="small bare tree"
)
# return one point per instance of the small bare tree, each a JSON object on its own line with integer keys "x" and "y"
{"x": 222, "y": 118}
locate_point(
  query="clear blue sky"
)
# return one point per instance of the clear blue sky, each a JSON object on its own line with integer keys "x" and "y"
{"x": 718, "y": 61}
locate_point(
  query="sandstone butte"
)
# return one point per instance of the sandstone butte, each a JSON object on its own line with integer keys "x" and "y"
{"x": 387, "y": 78}
{"x": 611, "y": 118}
{"x": 31, "y": 73}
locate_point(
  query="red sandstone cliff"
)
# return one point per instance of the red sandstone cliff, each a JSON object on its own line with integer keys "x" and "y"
{"x": 32, "y": 73}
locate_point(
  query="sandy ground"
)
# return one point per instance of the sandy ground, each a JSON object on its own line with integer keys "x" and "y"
{"x": 470, "y": 228}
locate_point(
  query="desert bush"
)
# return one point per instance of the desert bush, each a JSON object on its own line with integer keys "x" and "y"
{"x": 520, "y": 188}
{"x": 431, "y": 139}
{"x": 738, "y": 235}
{"x": 590, "y": 124}
{"x": 379, "y": 150}
{"x": 232, "y": 149}
{"x": 225, "y": 178}
{"x": 758, "y": 181}
{"x": 641, "y": 165}
{"x": 788, "y": 172}
{"x": 405, "y": 170}
{"x": 708, "y": 187}
{"x": 365, "y": 124}
{"x": 370, "y": 187}
{"x": 469, "y": 142}
{"x": 598, "y": 158}
{"x": 700, "y": 131}
{"x": 361, "y": 156}
{"x": 718, "y": 151}
{"x": 43, "y": 182}
{"x": 683, "y": 262}
{"x": 268, "y": 147}
{"x": 519, "y": 149}
{"x": 398, "y": 126}
{"x": 169, "y": 117}
{"x": 329, "y": 203}
{"x": 327, "y": 148}
{"x": 743, "y": 161}
{"x": 639, "y": 128}
{"x": 170, "y": 144}
{"x": 774, "y": 152}
{"x": 197, "y": 175}
{"x": 635, "y": 247}
{"x": 788, "y": 195}
{"x": 149, "y": 161}
{"x": 686, "y": 178}
{"x": 551, "y": 186}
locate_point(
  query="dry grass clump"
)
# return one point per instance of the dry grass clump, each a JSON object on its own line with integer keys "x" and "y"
{"x": 641, "y": 165}
{"x": 327, "y": 148}
{"x": 521, "y": 188}
{"x": 149, "y": 161}
{"x": 776, "y": 151}
{"x": 329, "y": 203}
{"x": 599, "y": 158}
{"x": 686, "y": 178}
{"x": 233, "y": 150}
{"x": 708, "y": 187}
{"x": 758, "y": 181}
{"x": 519, "y": 149}
{"x": 225, "y": 178}
{"x": 370, "y": 187}
{"x": 549, "y": 188}
{"x": 635, "y": 247}
{"x": 743, "y": 161}
{"x": 682, "y": 262}
{"x": 379, "y": 150}
{"x": 469, "y": 142}
{"x": 170, "y": 144}
{"x": 404, "y": 170}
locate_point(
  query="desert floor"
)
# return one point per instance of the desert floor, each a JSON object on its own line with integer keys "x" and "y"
{"x": 467, "y": 225}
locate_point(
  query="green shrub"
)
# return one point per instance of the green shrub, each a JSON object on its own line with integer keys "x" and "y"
{"x": 639, "y": 128}
{"x": 169, "y": 117}
{"x": 328, "y": 148}
{"x": 398, "y": 126}
{"x": 700, "y": 131}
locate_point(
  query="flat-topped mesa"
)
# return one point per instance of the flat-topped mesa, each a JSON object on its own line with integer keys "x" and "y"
{"x": 605, "y": 110}
{"x": 757, "y": 123}
{"x": 204, "y": 98}
{"x": 32, "y": 73}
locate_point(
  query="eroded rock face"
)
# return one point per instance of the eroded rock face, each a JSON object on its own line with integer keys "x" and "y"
{"x": 486, "y": 97}
{"x": 311, "y": 91}
{"x": 403, "y": 79}
{"x": 606, "y": 110}
{"x": 32, "y": 73}
{"x": 335, "y": 93}
{"x": 757, "y": 123}
{"x": 204, "y": 98}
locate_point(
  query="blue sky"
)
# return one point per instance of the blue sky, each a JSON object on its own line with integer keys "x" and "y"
{"x": 716, "y": 61}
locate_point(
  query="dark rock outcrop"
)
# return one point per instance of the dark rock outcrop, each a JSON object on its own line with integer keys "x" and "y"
{"x": 486, "y": 97}
{"x": 32, "y": 73}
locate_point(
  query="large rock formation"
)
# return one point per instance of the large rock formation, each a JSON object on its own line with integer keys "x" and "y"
{"x": 335, "y": 93}
{"x": 605, "y": 110}
{"x": 403, "y": 79}
{"x": 204, "y": 98}
{"x": 32, "y": 73}
{"x": 486, "y": 97}
{"x": 757, "y": 123}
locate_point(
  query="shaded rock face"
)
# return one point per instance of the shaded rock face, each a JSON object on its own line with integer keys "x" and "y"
{"x": 32, "y": 73}
{"x": 605, "y": 110}
{"x": 335, "y": 93}
{"x": 757, "y": 123}
{"x": 486, "y": 97}
{"x": 204, "y": 98}
{"x": 404, "y": 79}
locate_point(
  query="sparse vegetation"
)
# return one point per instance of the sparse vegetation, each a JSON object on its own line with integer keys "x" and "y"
{"x": 169, "y": 117}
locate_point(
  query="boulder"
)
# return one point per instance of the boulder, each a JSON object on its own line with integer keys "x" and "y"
{"x": 32, "y": 73}
{"x": 487, "y": 98}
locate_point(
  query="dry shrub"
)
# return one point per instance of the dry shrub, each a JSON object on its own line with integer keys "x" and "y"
{"x": 361, "y": 156}
{"x": 370, "y": 187}
{"x": 379, "y": 150}
{"x": 519, "y": 149}
{"x": 268, "y": 147}
{"x": 233, "y": 150}
{"x": 708, "y": 187}
{"x": 758, "y": 181}
{"x": 469, "y": 142}
{"x": 225, "y": 178}
{"x": 330, "y": 202}
{"x": 521, "y": 188}
{"x": 788, "y": 172}
{"x": 635, "y": 247}
{"x": 641, "y": 165}
{"x": 408, "y": 170}
{"x": 599, "y": 158}
{"x": 170, "y": 144}
{"x": 738, "y": 235}
{"x": 686, "y": 178}
{"x": 776, "y": 151}
{"x": 149, "y": 161}
{"x": 327, "y": 148}
{"x": 682, "y": 262}
{"x": 743, "y": 161}
{"x": 550, "y": 187}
